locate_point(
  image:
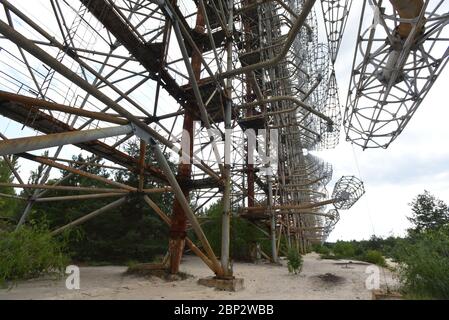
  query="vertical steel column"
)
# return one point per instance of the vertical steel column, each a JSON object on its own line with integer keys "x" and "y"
{"x": 160, "y": 158}
{"x": 226, "y": 218}
{"x": 178, "y": 226}
{"x": 268, "y": 175}
{"x": 249, "y": 111}
{"x": 298, "y": 233}
{"x": 281, "y": 186}
{"x": 273, "y": 221}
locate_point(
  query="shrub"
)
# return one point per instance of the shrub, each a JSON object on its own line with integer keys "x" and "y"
{"x": 322, "y": 250}
{"x": 374, "y": 256}
{"x": 29, "y": 252}
{"x": 344, "y": 249}
{"x": 425, "y": 264}
{"x": 294, "y": 260}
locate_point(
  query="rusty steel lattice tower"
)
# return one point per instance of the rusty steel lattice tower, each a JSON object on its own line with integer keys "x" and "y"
{"x": 236, "y": 91}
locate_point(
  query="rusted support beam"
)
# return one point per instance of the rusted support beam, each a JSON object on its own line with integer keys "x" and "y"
{"x": 80, "y": 197}
{"x": 194, "y": 77}
{"x": 291, "y": 207}
{"x": 157, "y": 190}
{"x": 47, "y": 124}
{"x": 189, "y": 242}
{"x": 185, "y": 205}
{"x": 262, "y": 212}
{"x": 61, "y": 188}
{"x": 75, "y": 171}
{"x": 88, "y": 163}
{"x": 179, "y": 221}
{"x": 33, "y": 103}
{"x": 19, "y": 145}
{"x": 407, "y": 9}
{"x": 178, "y": 226}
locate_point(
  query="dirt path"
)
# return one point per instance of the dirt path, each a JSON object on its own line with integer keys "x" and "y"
{"x": 319, "y": 279}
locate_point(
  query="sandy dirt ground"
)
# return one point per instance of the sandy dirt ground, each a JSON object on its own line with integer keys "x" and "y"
{"x": 319, "y": 279}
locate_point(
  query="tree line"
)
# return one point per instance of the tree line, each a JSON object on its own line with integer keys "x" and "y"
{"x": 422, "y": 256}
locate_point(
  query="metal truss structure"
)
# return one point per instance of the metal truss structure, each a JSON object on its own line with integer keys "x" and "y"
{"x": 401, "y": 50}
{"x": 235, "y": 92}
{"x": 335, "y": 14}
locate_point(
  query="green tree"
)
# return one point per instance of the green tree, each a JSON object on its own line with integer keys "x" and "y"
{"x": 374, "y": 256}
{"x": 425, "y": 264}
{"x": 36, "y": 175}
{"x": 344, "y": 249}
{"x": 7, "y": 205}
{"x": 131, "y": 232}
{"x": 429, "y": 213}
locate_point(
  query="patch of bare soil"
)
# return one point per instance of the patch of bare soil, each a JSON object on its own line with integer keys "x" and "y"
{"x": 330, "y": 278}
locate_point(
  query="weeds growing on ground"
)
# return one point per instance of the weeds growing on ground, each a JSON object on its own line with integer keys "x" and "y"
{"x": 294, "y": 261}
{"x": 28, "y": 252}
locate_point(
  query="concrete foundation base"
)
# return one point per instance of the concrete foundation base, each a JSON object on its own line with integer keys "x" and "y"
{"x": 235, "y": 284}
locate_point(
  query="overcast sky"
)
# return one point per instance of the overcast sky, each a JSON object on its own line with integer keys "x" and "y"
{"x": 417, "y": 160}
